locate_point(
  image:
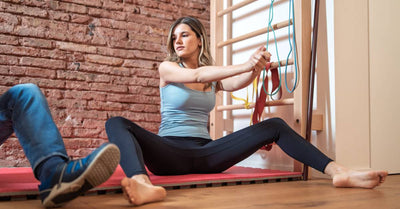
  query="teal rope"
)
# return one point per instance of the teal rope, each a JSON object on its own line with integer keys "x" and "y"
{"x": 291, "y": 13}
{"x": 270, "y": 18}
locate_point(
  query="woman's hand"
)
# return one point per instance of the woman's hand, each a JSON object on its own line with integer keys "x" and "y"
{"x": 259, "y": 59}
{"x": 252, "y": 69}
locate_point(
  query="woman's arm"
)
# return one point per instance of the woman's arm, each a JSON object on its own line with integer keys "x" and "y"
{"x": 171, "y": 72}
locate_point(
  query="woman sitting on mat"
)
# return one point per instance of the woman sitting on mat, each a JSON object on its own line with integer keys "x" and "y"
{"x": 188, "y": 83}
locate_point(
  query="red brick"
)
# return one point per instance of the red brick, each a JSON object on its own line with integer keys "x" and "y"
{"x": 112, "y": 5}
{"x": 113, "y": 61}
{"x": 33, "y": 22}
{"x": 77, "y": 85}
{"x": 87, "y": 132}
{"x": 57, "y": 15}
{"x": 95, "y": 3}
{"x": 125, "y": 98}
{"x": 153, "y": 82}
{"x": 99, "y": 41}
{"x": 139, "y": 63}
{"x": 144, "y": 36}
{"x": 72, "y": 8}
{"x": 78, "y": 33}
{"x": 41, "y": 62}
{"x": 112, "y": 34}
{"x": 40, "y": 72}
{"x": 71, "y": 104}
{"x": 131, "y": 8}
{"x": 8, "y": 60}
{"x": 144, "y": 108}
{"x": 34, "y": 11}
{"x": 9, "y": 40}
{"x": 115, "y": 15}
{"x": 86, "y": 95}
{"x": 108, "y": 87}
{"x": 52, "y": 54}
{"x": 53, "y": 94}
{"x": 93, "y": 123}
{"x": 140, "y": 72}
{"x": 29, "y": 31}
{"x": 16, "y": 50}
{"x": 8, "y": 81}
{"x": 76, "y": 47}
{"x": 9, "y": 19}
{"x": 112, "y": 106}
{"x": 4, "y": 70}
{"x": 155, "y": 13}
{"x": 121, "y": 53}
{"x": 66, "y": 131}
{"x": 91, "y": 114}
{"x": 43, "y": 83}
{"x": 71, "y": 75}
{"x": 121, "y": 71}
{"x": 83, "y": 19}
{"x": 34, "y": 42}
{"x": 6, "y": 28}
{"x": 151, "y": 91}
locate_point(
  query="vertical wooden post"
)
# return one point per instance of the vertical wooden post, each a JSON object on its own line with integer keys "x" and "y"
{"x": 228, "y": 124}
{"x": 303, "y": 40}
{"x": 216, "y": 23}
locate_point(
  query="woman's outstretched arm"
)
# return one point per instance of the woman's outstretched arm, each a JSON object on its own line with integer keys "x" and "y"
{"x": 171, "y": 72}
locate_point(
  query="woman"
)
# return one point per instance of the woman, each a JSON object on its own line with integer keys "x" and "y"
{"x": 188, "y": 83}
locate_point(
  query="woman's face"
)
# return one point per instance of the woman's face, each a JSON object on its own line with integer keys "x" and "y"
{"x": 185, "y": 42}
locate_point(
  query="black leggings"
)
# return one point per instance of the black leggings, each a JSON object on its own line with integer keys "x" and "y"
{"x": 184, "y": 155}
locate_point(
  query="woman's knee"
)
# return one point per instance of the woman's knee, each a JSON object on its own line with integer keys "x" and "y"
{"x": 115, "y": 122}
{"x": 276, "y": 121}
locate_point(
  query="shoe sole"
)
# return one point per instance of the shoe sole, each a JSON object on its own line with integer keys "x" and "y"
{"x": 101, "y": 168}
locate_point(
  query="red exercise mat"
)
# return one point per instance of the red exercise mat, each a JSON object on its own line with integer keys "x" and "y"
{"x": 20, "y": 181}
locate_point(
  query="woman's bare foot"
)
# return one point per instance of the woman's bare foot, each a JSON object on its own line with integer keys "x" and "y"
{"x": 362, "y": 179}
{"x": 343, "y": 177}
{"x": 138, "y": 190}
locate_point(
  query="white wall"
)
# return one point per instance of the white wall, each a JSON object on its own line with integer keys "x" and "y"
{"x": 367, "y": 72}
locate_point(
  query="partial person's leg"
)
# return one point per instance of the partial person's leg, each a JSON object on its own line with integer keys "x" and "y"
{"x": 24, "y": 109}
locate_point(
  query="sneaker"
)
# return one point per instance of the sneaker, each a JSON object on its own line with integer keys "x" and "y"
{"x": 75, "y": 177}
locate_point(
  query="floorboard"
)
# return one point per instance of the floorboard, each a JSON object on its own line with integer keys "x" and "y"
{"x": 293, "y": 194}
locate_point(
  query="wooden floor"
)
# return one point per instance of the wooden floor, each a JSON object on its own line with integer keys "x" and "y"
{"x": 294, "y": 194}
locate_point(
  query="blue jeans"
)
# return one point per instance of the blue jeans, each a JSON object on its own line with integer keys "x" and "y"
{"x": 24, "y": 110}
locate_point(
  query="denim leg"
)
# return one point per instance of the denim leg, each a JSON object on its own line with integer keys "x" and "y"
{"x": 24, "y": 110}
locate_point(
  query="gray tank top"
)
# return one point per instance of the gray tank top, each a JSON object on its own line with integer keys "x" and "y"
{"x": 184, "y": 111}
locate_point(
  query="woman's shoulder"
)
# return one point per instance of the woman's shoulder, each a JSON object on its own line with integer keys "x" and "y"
{"x": 166, "y": 64}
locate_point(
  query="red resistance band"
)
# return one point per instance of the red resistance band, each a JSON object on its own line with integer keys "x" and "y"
{"x": 260, "y": 102}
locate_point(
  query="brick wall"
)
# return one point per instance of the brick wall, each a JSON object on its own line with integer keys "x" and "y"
{"x": 92, "y": 59}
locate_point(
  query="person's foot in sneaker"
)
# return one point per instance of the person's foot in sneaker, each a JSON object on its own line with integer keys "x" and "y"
{"x": 75, "y": 177}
